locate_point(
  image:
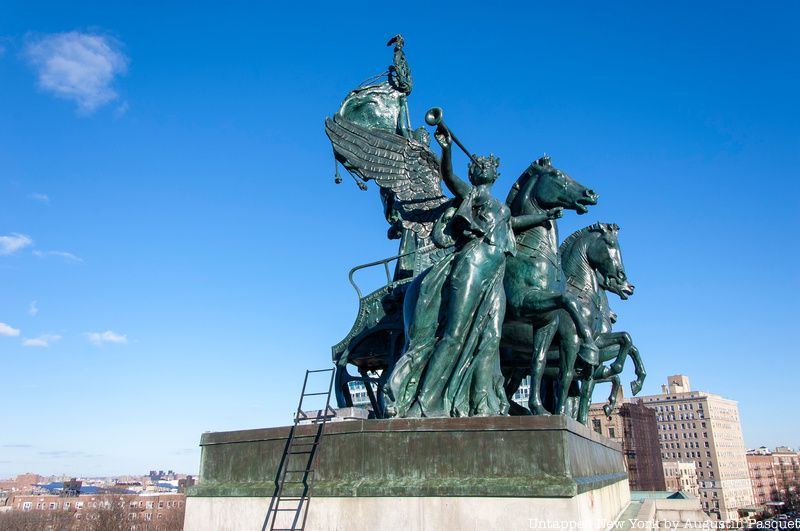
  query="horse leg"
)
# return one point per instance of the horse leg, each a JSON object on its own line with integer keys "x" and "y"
{"x": 569, "y": 345}
{"x": 612, "y": 397}
{"x": 573, "y": 400}
{"x": 626, "y": 348}
{"x": 586, "y": 398}
{"x": 641, "y": 373}
{"x": 541, "y": 343}
{"x": 623, "y": 342}
{"x": 538, "y": 301}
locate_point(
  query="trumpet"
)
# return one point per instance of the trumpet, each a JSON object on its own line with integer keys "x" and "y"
{"x": 435, "y": 116}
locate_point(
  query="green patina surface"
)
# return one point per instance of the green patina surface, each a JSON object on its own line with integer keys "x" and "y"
{"x": 490, "y": 456}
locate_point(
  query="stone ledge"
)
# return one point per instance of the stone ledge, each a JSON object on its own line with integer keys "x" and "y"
{"x": 531, "y": 457}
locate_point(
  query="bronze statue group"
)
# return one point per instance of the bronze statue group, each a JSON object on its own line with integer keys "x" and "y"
{"x": 483, "y": 293}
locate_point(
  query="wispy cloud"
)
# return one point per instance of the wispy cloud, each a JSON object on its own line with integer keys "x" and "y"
{"x": 14, "y": 242}
{"x": 77, "y": 66}
{"x": 60, "y": 454}
{"x": 17, "y": 446}
{"x": 8, "y": 331}
{"x": 108, "y": 337}
{"x": 68, "y": 257}
{"x": 33, "y": 309}
{"x": 42, "y": 341}
{"x": 42, "y": 198}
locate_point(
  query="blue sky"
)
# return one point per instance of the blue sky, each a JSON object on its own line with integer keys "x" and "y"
{"x": 174, "y": 252}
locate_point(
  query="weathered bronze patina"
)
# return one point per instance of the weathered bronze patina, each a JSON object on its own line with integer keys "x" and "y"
{"x": 482, "y": 295}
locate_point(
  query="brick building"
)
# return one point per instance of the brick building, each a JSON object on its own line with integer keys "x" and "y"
{"x": 633, "y": 426}
{"x": 772, "y": 473}
{"x": 158, "y": 511}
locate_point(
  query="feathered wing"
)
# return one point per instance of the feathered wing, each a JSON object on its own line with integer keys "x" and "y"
{"x": 405, "y": 166}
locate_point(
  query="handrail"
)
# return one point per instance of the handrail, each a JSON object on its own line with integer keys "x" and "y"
{"x": 385, "y": 263}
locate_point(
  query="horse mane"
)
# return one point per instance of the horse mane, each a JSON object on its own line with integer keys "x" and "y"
{"x": 578, "y": 234}
{"x": 531, "y": 172}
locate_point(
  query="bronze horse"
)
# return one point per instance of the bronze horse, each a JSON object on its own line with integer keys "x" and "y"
{"x": 592, "y": 264}
{"x": 534, "y": 283}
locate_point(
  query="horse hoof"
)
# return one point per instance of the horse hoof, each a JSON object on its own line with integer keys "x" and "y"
{"x": 540, "y": 411}
{"x": 636, "y": 387}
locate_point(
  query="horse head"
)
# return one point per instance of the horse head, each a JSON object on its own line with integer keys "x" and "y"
{"x": 544, "y": 187}
{"x": 606, "y": 259}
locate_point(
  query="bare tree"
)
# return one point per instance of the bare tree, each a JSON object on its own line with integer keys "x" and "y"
{"x": 38, "y": 520}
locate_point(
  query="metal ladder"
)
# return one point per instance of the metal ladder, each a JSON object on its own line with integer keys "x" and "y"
{"x": 304, "y": 447}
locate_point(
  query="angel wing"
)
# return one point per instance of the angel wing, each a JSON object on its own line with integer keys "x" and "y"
{"x": 396, "y": 163}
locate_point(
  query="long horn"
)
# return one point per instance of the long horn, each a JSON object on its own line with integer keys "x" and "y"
{"x": 435, "y": 116}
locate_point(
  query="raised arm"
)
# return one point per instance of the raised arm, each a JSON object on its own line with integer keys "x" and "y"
{"x": 458, "y": 187}
{"x": 527, "y": 221}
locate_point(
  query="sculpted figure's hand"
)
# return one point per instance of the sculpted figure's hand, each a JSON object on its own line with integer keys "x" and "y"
{"x": 443, "y": 137}
{"x": 555, "y": 213}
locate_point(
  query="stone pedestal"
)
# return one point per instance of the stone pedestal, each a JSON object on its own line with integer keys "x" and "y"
{"x": 420, "y": 474}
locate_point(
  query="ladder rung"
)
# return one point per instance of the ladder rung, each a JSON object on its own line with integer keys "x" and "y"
{"x": 302, "y": 436}
{"x": 292, "y": 499}
{"x": 305, "y": 452}
{"x": 295, "y": 509}
{"x": 320, "y": 370}
{"x": 303, "y": 470}
{"x": 315, "y": 394}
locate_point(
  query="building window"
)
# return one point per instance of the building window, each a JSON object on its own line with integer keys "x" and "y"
{"x": 611, "y": 432}
{"x": 596, "y": 426}
{"x": 53, "y": 505}
{"x": 26, "y": 506}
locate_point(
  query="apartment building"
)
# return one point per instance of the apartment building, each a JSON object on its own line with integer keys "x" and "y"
{"x": 681, "y": 476}
{"x": 705, "y": 428}
{"x": 772, "y": 473}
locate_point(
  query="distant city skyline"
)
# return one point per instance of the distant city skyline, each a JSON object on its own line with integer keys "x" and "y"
{"x": 174, "y": 251}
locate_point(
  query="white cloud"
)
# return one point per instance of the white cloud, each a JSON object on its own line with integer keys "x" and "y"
{"x": 8, "y": 331}
{"x": 77, "y": 66}
{"x": 14, "y": 242}
{"x": 42, "y": 198}
{"x": 102, "y": 338}
{"x": 68, "y": 257}
{"x": 33, "y": 309}
{"x": 42, "y": 341}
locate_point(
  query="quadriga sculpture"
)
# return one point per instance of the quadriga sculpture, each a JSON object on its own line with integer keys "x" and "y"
{"x": 471, "y": 274}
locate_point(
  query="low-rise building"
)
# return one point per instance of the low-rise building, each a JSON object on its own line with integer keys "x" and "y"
{"x": 681, "y": 476}
{"x": 166, "y": 510}
{"x": 772, "y": 473}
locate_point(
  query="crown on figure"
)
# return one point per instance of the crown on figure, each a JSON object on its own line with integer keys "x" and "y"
{"x": 481, "y": 164}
